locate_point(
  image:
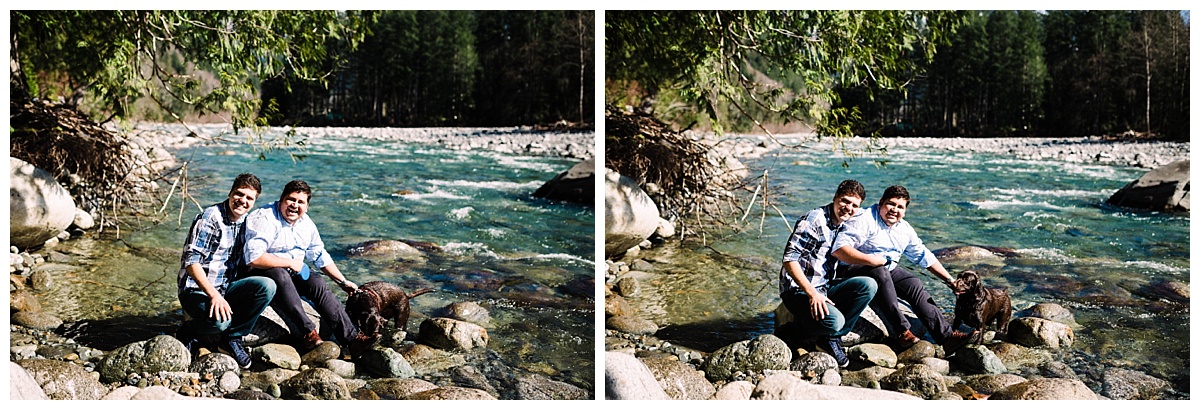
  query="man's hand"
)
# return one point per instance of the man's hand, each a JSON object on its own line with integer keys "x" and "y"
{"x": 219, "y": 309}
{"x": 348, "y": 286}
{"x": 817, "y": 307}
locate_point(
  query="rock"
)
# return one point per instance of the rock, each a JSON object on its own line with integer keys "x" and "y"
{"x": 787, "y": 386}
{"x": 1046, "y": 389}
{"x": 63, "y": 380}
{"x": 873, "y": 353}
{"x": 214, "y": 363}
{"x": 450, "y": 334}
{"x": 538, "y": 387}
{"x": 736, "y": 390}
{"x": 1166, "y": 188}
{"x": 630, "y": 216}
{"x": 160, "y": 353}
{"x": 1124, "y": 384}
{"x": 627, "y": 378}
{"x": 918, "y": 352}
{"x": 315, "y": 384}
{"x": 631, "y": 324}
{"x": 384, "y": 362}
{"x": 916, "y": 379}
{"x": 397, "y": 389}
{"x": 576, "y": 185}
{"x": 229, "y": 381}
{"x": 37, "y": 320}
{"x": 157, "y": 393}
{"x": 39, "y": 208}
{"x": 1050, "y": 311}
{"x": 666, "y": 229}
{"x": 615, "y": 305}
{"x": 83, "y": 220}
{"x": 470, "y": 377}
{"x": 271, "y": 328}
{"x": 750, "y": 356}
{"x": 452, "y": 393}
{"x": 426, "y": 360}
{"x": 278, "y": 355}
{"x": 1015, "y": 356}
{"x": 346, "y": 370}
{"x": 812, "y": 366}
{"x": 979, "y": 360}
{"x": 22, "y": 386}
{"x": 991, "y": 383}
{"x": 970, "y": 255}
{"x": 24, "y": 301}
{"x": 627, "y": 286}
{"x": 1057, "y": 370}
{"x": 264, "y": 380}
{"x": 868, "y": 377}
{"x": 246, "y": 394}
{"x": 387, "y": 248}
{"x": 1167, "y": 290}
{"x": 679, "y": 380}
{"x": 1035, "y": 332}
{"x": 324, "y": 352}
{"x": 468, "y": 312}
{"x": 122, "y": 393}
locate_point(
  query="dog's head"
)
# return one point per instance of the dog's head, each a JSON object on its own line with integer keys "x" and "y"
{"x": 968, "y": 282}
{"x": 360, "y": 306}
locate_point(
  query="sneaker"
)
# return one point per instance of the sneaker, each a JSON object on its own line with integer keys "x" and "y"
{"x": 957, "y": 340}
{"x": 235, "y": 348}
{"x": 310, "y": 340}
{"x": 906, "y": 340}
{"x": 833, "y": 346}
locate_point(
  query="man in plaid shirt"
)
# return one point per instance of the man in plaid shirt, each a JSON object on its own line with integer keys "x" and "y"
{"x": 825, "y": 306}
{"x": 219, "y": 303}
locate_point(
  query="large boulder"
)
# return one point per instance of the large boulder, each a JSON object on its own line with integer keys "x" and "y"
{"x": 679, "y": 380}
{"x": 1037, "y": 332}
{"x": 916, "y": 379}
{"x": 1166, "y": 188}
{"x": 627, "y": 378}
{"x": 1125, "y": 384}
{"x": 63, "y": 380}
{"x": 1046, "y": 389}
{"x": 766, "y": 352}
{"x": 39, "y": 208}
{"x": 385, "y": 362}
{"x": 538, "y": 387}
{"x": 979, "y": 360}
{"x": 630, "y": 216}
{"x": 160, "y": 353}
{"x": 315, "y": 384}
{"x": 450, "y": 334}
{"x": 399, "y": 388}
{"x": 22, "y": 386}
{"x": 791, "y": 386}
{"x": 576, "y": 185}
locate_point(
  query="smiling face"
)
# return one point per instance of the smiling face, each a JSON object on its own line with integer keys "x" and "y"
{"x": 241, "y": 201}
{"x": 293, "y": 206}
{"x": 845, "y": 206}
{"x": 892, "y": 210}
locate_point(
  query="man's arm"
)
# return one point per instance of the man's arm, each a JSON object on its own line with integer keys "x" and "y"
{"x": 219, "y": 309}
{"x": 268, "y": 261}
{"x": 331, "y": 270}
{"x": 816, "y": 300}
{"x": 852, "y": 256}
{"x": 938, "y": 270}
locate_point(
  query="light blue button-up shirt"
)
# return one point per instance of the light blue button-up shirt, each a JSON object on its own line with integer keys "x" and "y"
{"x": 268, "y": 232}
{"x": 868, "y": 233}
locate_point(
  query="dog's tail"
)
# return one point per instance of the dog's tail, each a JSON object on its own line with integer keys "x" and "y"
{"x": 420, "y": 292}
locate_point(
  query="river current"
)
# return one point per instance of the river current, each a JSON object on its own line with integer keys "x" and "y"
{"x": 529, "y": 261}
{"x": 1100, "y": 262}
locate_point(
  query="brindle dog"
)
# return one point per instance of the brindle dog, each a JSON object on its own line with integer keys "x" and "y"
{"x": 978, "y": 306}
{"x": 375, "y": 302}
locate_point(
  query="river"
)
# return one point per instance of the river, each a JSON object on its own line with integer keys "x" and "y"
{"x": 530, "y": 262}
{"x": 1100, "y": 262}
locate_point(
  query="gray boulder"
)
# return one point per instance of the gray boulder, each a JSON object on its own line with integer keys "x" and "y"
{"x": 63, "y": 380}
{"x": 385, "y": 362}
{"x": 869, "y": 377}
{"x": 1125, "y": 384}
{"x": 630, "y": 216}
{"x": 916, "y": 379}
{"x": 39, "y": 208}
{"x": 627, "y": 378}
{"x": 991, "y": 383}
{"x": 812, "y": 366}
{"x": 873, "y": 353}
{"x": 160, "y": 353}
{"x": 278, "y": 355}
{"x": 538, "y": 387}
{"x": 468, "y": 312}
{"x": 396, "y": 389}
{"x": 678, "y": 380}
{"x": 22, "y": 386}
{"x": 1166, "y": 188}
{"x": 214, "y": 363}
{"x": 737, "y": 390}
{"x": 452, "y": 393}
{"x": 450, "y": 334}
{"x": 1035, "y": 332}
{"x": 1050, "y": 311}
{"x": 1046, "y": 389}
{"x": 426, "y": 360}
{"x": 979, "y": 360}
{"x": 788, "y": 386}
{"x": 267, "y": 380}
{"x": 322, "y": 353}
{"x": 1016, "y": 357}
{"x": 748, "y": 356}
{"x": 576, "y": 185}
{"x": 270, "y": 327}
{"x": 918, "y": 352}
{"x": 315, "y": 384}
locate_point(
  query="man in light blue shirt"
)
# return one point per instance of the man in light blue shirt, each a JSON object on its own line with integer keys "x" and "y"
{"x": 280, "y": 238}
{"x": 824, "y": 306}
{"x": 872, "y": 244}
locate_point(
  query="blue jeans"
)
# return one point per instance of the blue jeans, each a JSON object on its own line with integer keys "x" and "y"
{"x": 247, "y": 299}
{"x": 850, "y": 297}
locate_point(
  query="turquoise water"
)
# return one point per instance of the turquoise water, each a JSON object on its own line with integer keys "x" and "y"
{"x": 1095, "y": 260}
{"x": 530, "y": 262}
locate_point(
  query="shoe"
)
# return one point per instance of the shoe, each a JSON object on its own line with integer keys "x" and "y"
{"x": 310, "y": 340}
{"x": 906, "y": 340}
{"x": 833, "y": 346}
{"x": 360, "y": 343}
{"x": 235, "y": 348}
{"x": 957, "y": 340}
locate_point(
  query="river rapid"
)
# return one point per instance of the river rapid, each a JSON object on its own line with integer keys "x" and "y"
{"x": 1102, "y": 263}
{"x": 528, "y": 261}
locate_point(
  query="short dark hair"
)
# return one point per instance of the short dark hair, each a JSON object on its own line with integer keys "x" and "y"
{"x": 895, "y": 191}
{"x": 851, "y": 187}
{"x": 246, "y": 181}
{"x": 296, "y": 186}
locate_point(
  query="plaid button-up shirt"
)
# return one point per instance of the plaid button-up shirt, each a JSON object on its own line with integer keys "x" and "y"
{"x": 215, "y": 243}
{"x": 809, "y": 246}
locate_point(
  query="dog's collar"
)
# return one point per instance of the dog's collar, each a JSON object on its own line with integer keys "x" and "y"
{"x": 375, "y": 299}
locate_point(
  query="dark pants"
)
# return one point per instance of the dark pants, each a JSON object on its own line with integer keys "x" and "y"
{"x": 291, "y": 295}
{"x": 247, "y": 298}
{"x": 900, "y": 284}
{"x": 850, "y": 297}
